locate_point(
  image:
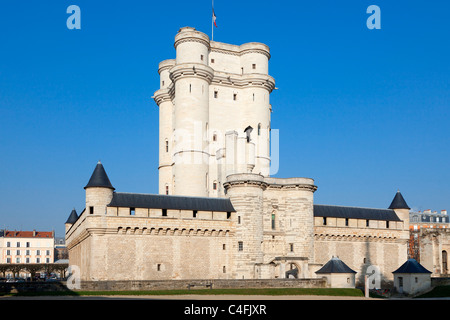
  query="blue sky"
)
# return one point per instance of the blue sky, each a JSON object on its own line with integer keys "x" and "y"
{"x": 362, "y": 112}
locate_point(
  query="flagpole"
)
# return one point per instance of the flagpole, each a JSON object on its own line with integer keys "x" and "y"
{"x": 212, "y": 21}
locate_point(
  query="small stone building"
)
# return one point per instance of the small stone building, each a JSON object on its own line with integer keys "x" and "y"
{"x": 338, "y": 274}
{"x": 411, "y": 278}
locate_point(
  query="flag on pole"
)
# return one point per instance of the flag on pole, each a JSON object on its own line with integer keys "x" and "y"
{"x": 214, "y": 18}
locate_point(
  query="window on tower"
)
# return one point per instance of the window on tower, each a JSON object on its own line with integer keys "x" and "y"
{"x": 216, "y": 94}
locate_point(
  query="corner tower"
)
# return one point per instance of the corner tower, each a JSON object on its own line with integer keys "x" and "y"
{"x": 99, "y": 191}
{"x": 400, "y": 207}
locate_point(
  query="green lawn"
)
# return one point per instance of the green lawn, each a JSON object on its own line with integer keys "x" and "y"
{"x": 268, "y": 291}
{"x": 437, "y": 292}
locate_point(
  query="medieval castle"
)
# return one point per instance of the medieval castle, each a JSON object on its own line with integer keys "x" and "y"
{"x": 219, "y": 214}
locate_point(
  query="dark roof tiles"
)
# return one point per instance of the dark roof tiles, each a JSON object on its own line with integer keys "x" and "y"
{"x": 335, "y": 265}
{"x": 411, "y": 266}
{"x": 157, "y": 201}
{"x": 398, "y": 202}
{"x": 354, "y": 213}
{"x": 72, "y": 217}
{"x": 99, "y": 178}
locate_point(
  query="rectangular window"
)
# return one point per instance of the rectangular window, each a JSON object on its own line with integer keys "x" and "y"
{"x": 346, "y": 222}
{"x": 17, "y": 260}
{"x": 164, "y": 212}
{"x": 367, "y": 223}
{"x": 28, "y": 244}
{"x": 167, "y": 146}
{"x": 291, "y": 247}
{"x": 8, "y": 244}
{"x": 234, "y": 96}
{"x": 324, "y": 222}
{"x": 158, "y": 267}
{"x": 8, "y": 252}
{"x": 132, "y": 211}
{"x": 253, "y": 66}
{"x": 194, "y": 214}
{"x": 18, "y": 244}
{"x": 212, "y": 60}
{"x": 228, "y": 215}
{"x": 47, "y": 252}
{"x": 38, "y": 252}
{"x": 214, "y": 185}
{"x": 91, "y": 210}
{"x": 8, "y": 260}
{"x": 239, "y": 219}
{"x": 162, "y": 83}
{"x": 240, "y": 246}
{"x": 27, "y": 252}
{"x": 223, "y": 246}
{"x": 387, "y": 224}
{"x": 201, "y": 57}
{"x": 216, "y": 94}
{"x": 47, "y": 260}
{"x": 38, "y": 260}
{"x": 27, "y": 260}
{"x": 18, "y": 252}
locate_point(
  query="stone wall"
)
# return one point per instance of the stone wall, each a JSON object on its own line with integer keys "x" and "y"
{"x": 201, "y": 284}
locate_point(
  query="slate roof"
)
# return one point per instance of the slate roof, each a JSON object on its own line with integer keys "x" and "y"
{"x": 411, "y": 266}
{"x": 335, "y": 265}
{"x": 321, "y": 210}
{"x": 99, "y": 178}
{"x": 398, "y": 202}
{"x": 72, "y": 217}
{"x": 157, "y": 201}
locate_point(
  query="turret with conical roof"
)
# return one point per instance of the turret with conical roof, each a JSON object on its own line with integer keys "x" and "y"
{"x": 99, "y": 191}
{"x": 73, "y": 217}
{"x": 400, "y": 207}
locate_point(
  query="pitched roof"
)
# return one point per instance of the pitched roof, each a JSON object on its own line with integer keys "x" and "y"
{"x": 72, "y": 217}
{"x": 398, "y": 202}
{"x": 28, "y": 234}
{"x": 411, "y": 266}
{"x": 157, "y": 201}
{"x": 99, "y": 178}
{"x": 335, "y": 265}
{"x": 321, "y": 210}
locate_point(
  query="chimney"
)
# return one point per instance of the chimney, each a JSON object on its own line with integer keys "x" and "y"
{"x": 443, "y": 211}
{"x": 34, "y": 232}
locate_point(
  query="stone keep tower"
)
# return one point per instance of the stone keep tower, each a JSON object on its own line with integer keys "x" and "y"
{"x": 214, "y": 114}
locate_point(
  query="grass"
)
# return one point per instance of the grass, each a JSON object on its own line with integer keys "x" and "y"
{"x": 267, "y": 291}
{"x": 437, "y": 292}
